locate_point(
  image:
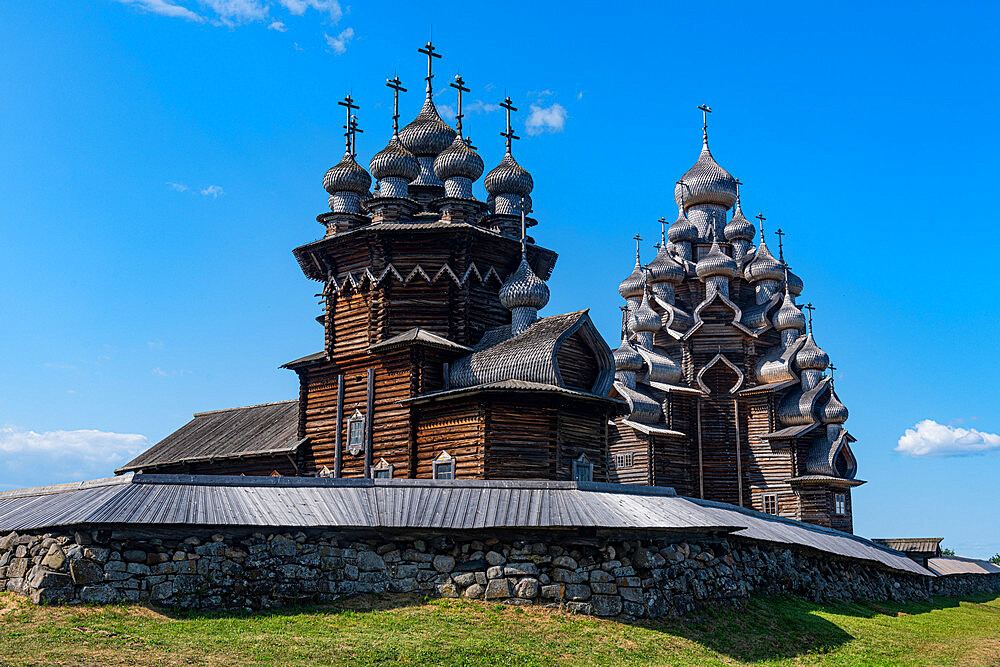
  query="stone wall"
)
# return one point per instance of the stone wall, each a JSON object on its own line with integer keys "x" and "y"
{"x": 605, "y": 577}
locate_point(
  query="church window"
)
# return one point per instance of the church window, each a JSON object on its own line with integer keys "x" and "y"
{"x": 443, "y": 467}
{"x": 840, "y": 503}
{"x": 583, "y": 469}
{"x": 770, "y": 503}
{"x": 383, "y": 470}
{"x": 356, "y": 433}
{"x": 624, "y": 460}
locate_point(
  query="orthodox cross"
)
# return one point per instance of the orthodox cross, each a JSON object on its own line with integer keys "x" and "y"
{"x": 832, "y": 369}
{"x": 663, "y": 230}
{"x": 397, "y": 88}
{"x": 781, "y": 246}
{"x": 524, "y": 231}
{"x": 810, "y": 308}
{"x": 350, "y": 105}
{"x": 760, "y": 216}
{"x": 429, "y": 51}
{"x": 637, "y": 239}
{"x": 354, "y": 130}
{"x": 683, "y": 186}
{"x": 459, "y": 85}
{"x": 738, "y": 184}
{"x": 509, "y": 134}
{"x": 705, "y": 110}
{"x": 624, "y": 310}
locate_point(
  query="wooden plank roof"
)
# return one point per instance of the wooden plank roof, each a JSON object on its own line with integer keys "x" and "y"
{"x": 945, "y": 565}
{"x": 911, "y": 544}
{"x": 271, "y": 428}
{"x": 408, "y": 504}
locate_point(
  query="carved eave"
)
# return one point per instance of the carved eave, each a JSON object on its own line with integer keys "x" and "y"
{"x": 791, "y": 432}
{"x": 824, "y": 480}
{"x": 737, "y": 314}
{"x": 675, "y": 321}
{"x": 677, "y": 389}
{"x": 768, "y": 388}
{"x": 641, "y": 408}
{"x": 720, "y": 358}
{"x": 775, "y": 365}
{"x": 649, "y": 429}
{"x": 799, "y": 407}
{"x": 757, "y": 318}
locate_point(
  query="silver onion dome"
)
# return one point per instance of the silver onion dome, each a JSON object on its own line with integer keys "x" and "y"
{"x": 665, "y": 269}
{"x": 739, "y": 228}
{"x": 716, "y": 263}
{"x": 795, "y": 284}
{"x": 626, "y": 358}
{"x": 347, "y": 176}
{"x": 810, "y": 357}
{"x": 523, "y": 289}
{"x": 394, "y": 161}
{"x": 764, "y": 266}
{"x": 427, "y": 135}
{"x": 645, "y": 319}
{"x": 634, "y": 285}
{"x": 706, "y": 182}
{"x": 834, "y": 412}
{"x": 682, "y": 230}
{"x": 458, "y": 160}
{"x": 788, "y": 316}
{"x": 509, "y": 178}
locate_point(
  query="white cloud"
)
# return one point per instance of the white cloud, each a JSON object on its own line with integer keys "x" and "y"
{"x": 30, "y": 458}
{"x": 165, "y": 8}
{"x": 177, "y": 187}
{"x": 235, "y": 12}
{"x": 579, "y": 95}
{"x": 299, "y": 7}
{"x": 279, "y": 26}
{"x": 213, "y": 191}
{"x": 478, "y": 106}
{"x": 929, "y": 439}
{"x": 159, "y": 372}
{"x": 546, "y": 119}
{"x": 339, "y": 43}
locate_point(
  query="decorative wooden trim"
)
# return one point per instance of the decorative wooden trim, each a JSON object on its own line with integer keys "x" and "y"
{"x": 739, "y": 454}
{"x": 369, "y": 410}
{"x": 721, "y": 357}
{"x": 338, "y": 439}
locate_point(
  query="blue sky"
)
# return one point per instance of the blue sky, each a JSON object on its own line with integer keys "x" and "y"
{"x": 159, "y": 159}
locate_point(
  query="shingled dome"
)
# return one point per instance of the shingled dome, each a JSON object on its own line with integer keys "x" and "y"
{"x": 634, "y": 285}
{"x": 764, "y": 266}
{"x": 458, "y": 160}
{"x": 706, "y": 183}
{"x": 394, "y": 161}
{"x": 523, "y": 289}
{"x": 788, "y": 316}
{"x": 811, "y": 357}
{"x": 739, "y": 228}
{"x": 665, "y": 269}
{"x": 427, "y": 135}
{"x": 347, "y": 176}
{"x": 682, "y": 230}
{"x": 509, "y": 178}
{"x": 716, "y": 263}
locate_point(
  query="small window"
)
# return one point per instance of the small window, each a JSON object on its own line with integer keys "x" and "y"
{"x": 624, "y": 460}
{"x": 325, "y": 472}
{"x": 356, "y": 433}
{"x": 583, "y": 469}
{"x": 770, "y": 503}
{"x": 383, "y": 470}
{"x": 840, "y": 503}
{"x": 443, "y": 467}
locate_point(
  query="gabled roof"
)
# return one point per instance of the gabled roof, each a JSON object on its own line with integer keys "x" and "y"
{"x": 314, "y": 358}
{"x": 944, "y": 565}
{"x": 531, "y": 356}
{"x": 911, "y": 544}
{"x": 507, "y": 387}
{"x": 419, "y": 336}
{"x": 271, "y": 428}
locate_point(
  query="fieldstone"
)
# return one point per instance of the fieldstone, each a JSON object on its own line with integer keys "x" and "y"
{"x": 495, "y": 572}
{"x": 520, "y": 569}
{"x": 47, "y": 579}
{"x": 552, "y": 591}
{"x": 193, "y": 541}
{"x": 17, "y": 568}
{"x": 631, "y": 594}
{"x": 444, "y": 564}
{"x": 464, "y": 579}
{"x": 475, "y": 591}
{"x": 527, "y": 588}
{"x": 579, "y": 608}
{"x": 134, "y": 556}
{"x": 98, "y": 594}
{"x": 49, "y": 595}
{"x": 137, "y": 568}
{"x": 565, "y": 562}
{"x": 601, "y": 575}
{"x": 55, "y": 559}
{"x": 85, "y": 572}
{"x": 498, "y": 589}
{"x": 606, "y": 605}
{"x": 282, "y": 546}
{"x": 577, "y": 591}
{"x": 370, "y": 561}
{"x": 447, "y": 590}
{"x": 604, "y": 588}
{"x": 568, "y": 576}
{"x": 494, "y": 558}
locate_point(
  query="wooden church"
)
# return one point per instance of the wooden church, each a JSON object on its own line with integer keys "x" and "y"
{"x": 435, "y": 363}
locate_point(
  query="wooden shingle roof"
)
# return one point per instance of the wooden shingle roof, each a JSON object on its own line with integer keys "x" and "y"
{"x": 271, "y": 428}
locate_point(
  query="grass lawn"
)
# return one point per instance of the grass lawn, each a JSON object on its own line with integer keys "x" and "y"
{"x": 416, "y": 632}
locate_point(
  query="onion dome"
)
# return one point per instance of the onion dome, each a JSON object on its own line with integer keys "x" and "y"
{"x": 739, "y": 228}
{"x": 716, "y": 263}
{"x": 683, "y": 230}
{"x": 458, "y": 160}
{"x": 764, "y": 266}
{"x": 626, "y": 358}
{"x": 645, "y": 319}
{"x": 394, "y": 161}
{"x": 834, "y": 412}
{"x": 706, "y": 182}
{"x": 664, "y": 268}
{"x": 795, "y": 284}
{"x": 788, "y": 316}
{"x": 810, "y": 357}
{"x": 523, "y": 289}
{"x": 509, "y": 178}
{"x": 347, "y": 176}
{"x": 635, "y": 285}
{"x": 427, "y": 135}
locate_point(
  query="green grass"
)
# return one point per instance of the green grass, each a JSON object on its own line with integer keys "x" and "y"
{"x": 415, "y": 632}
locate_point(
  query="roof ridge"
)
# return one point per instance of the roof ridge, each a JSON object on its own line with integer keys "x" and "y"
{"x": 245, "y": 407}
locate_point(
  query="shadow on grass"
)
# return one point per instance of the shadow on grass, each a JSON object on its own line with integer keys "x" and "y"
{"x": 761, "y": 629}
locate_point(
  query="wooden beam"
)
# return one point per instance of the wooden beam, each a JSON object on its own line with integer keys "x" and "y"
{"x": 701, "y": 465}
{"x": 369, "y": 408}
{"x": 338, "y": 438}
{"x": 739, "y": 455}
